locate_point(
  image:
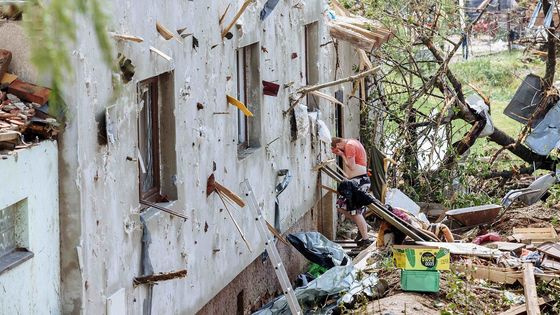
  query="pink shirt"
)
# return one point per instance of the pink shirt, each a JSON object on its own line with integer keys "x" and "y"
{"x": 354, "y": 149}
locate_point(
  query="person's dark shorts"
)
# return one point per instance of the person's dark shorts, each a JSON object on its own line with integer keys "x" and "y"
{"x": 364, "y": 184}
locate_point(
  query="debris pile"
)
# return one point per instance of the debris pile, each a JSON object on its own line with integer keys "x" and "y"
{"x": 24, "y": 108}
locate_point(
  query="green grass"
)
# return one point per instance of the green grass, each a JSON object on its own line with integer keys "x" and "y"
{"x": 498, "y": 77}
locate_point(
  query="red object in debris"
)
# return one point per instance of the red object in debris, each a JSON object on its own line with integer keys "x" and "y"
{"x": 487, "y": 238}
{"x": 5, "y": 59}
{"x": 270, "y": 89}
{"x": 29, "y": 92}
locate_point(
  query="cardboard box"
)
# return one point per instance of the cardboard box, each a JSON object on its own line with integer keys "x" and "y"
{"x": 421, "y": 257}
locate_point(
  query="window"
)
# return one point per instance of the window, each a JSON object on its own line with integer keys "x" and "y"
{"x": 248, "y": 92}
{"x": 156, "y": 139}
{"x": 312, "y": 62}
{"x": 13, "y": 236}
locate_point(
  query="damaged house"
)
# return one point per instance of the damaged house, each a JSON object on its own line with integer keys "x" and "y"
{"x": 132, "y": 192}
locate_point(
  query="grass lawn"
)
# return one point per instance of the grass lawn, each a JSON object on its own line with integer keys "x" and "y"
{"x": 498, "y": 76}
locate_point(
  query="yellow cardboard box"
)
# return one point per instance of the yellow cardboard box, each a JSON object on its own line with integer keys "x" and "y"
{"x": 412, "y": 257}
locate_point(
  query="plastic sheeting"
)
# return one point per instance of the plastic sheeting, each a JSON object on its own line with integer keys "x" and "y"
{"x": 477, "y": 103}
{"x": 343, "y": 283}
{"x": 546, "y": 135}
{"x": 318, "y": 249}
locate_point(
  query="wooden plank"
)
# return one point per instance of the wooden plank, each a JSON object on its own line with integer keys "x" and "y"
{"x": 8, "y": 78}
{"x": 160, "y": 53}
{"x": 9, "y": 136}
{"x": 165, "y": 33}
{"x": 360, "y": 261}
{"x": 530, "y": 289}
{"x": 520, "y": 309}
{"x": 130, "y": 38}
{"x": 467, "y": 249}
{"x": 490, "y": 273}
{"x": 355, "y": 39}
{"x": 535, "y": 235}
{"x": 150, "y": 279}
{"x": 237, "y": 16}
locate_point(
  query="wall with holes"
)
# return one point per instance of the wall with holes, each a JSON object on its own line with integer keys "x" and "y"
{"x": 29, "y": 180}
{"x": 100, "y": 211}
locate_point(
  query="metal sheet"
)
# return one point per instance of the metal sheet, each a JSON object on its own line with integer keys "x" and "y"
{"x": 525, "y": 100}
{"x": 475, "y": 215}
{"x": 546, "y": 136}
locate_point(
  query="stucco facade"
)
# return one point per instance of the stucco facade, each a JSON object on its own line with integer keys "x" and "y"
{"x": 100, "y": 226}
{"x": 30, "y": 180}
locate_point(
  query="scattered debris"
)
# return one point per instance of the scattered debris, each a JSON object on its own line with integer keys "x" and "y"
{"x": 270, "y": 88}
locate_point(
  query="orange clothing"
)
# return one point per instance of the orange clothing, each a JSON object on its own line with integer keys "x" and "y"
{"x": 355, "y": 149}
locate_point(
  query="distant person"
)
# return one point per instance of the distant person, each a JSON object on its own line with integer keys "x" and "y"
{"x": 354, "y": 158}
{"x": 465, "y": 45}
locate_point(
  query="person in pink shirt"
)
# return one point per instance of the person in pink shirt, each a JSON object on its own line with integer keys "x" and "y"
{"x": 354, "y": 158}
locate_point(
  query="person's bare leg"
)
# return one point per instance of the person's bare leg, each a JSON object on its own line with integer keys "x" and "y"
{"x": 361, "y": 224}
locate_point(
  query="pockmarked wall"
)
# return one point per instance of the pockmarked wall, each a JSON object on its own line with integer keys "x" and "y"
{"x": 100, "y": 211}
{"x": 29, "y": 178}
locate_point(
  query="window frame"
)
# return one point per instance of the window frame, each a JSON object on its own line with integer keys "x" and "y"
{"x": 310, "y": 37}
{"x": 154, "y": 193}
{"x": 242, "y": 89}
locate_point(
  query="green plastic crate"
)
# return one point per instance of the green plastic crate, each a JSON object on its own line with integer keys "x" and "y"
{"x": 420, "y": 281}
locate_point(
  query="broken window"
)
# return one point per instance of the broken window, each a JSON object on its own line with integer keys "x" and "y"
{"x": 248, "y": 92}
{"x": 312, "y": 62}
{"x": 13, "y": 235}
{"x": 156, "y": 139}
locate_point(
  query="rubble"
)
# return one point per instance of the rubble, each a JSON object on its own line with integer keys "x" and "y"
{"x": 24, "y": 110}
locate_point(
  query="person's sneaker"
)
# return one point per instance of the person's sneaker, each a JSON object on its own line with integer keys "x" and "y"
{"x": 358, "y": 238}
{"x": 364, "y": 243}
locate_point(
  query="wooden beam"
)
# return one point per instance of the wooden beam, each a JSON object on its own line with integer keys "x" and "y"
{"x": 151, "y": 279}
{"x": 521, "y": 309}
{"x": 307, "y": 89}
{"x": 530, "y": 289}
{"x": 237, "y": 16}
{"x": 355, "y": 39}
{"x": 327, "y": 97}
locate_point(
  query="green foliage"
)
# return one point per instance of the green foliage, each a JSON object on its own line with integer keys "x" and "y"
{"x": 553, "y": 200}
{"x": 550, "y": 289}
{"x": 51, "y": 27}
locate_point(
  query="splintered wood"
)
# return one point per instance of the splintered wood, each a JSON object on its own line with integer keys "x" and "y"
{"x": 152, "y": 279}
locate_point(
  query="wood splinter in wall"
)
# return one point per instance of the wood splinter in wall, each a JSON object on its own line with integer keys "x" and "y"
{"x": 225, "y": 194}
{"x": 165, "y": 33}
{"x": 131, "y": 38}
{"x": 164, "y": 276}
{"x": 237, "y": 16}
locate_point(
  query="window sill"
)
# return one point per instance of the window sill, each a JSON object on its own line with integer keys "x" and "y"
{"x": 14, "y": 259}
{"x": 243, "y": 153}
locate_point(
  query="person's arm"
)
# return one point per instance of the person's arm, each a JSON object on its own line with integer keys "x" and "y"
{"x": 349, "y": 158}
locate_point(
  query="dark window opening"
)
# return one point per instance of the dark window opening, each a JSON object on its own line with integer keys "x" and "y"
{"x": 157, "y": 161}
{"x": 311, "y": 62}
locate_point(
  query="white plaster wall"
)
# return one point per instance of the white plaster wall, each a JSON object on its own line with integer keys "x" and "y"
{"x": 99, "y": 185}
{"x": 33, "y": 287}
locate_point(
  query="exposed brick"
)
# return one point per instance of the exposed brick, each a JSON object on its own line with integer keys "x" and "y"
{"x": 29, "y": 92}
